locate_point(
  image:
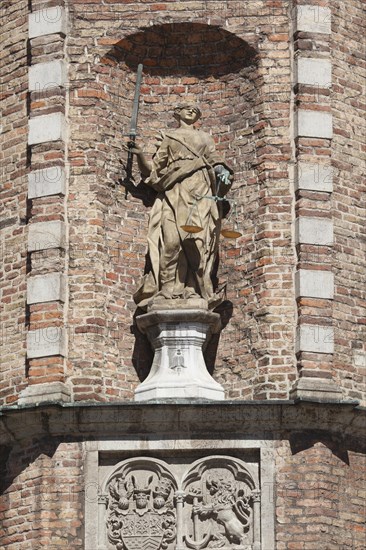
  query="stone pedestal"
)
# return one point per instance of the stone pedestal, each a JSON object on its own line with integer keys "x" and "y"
{"x": 179, "y": 370}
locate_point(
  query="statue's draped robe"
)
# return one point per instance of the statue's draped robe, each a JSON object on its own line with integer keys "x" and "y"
{"x": 183, "y": 175}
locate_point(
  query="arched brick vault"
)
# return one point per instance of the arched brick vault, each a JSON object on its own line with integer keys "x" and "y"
{"x": 185, "y": 49}
{"x": 204, "y": 63}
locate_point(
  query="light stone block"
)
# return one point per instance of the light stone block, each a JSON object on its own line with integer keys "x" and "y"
{"x": 46, "y": 182}
{"x": 317, "y": 231}
{"x": 359, "y": 358}
{"x": 46, "y": 128}
{"x": 46, "y": 288}
{"x": 45, "y": 235}
{"x": 45, "y": 76}
{"x": 315, "y": 338}
{"x": 47, "y": 21}
{"x": 314, "y": 284}
{"x": 316, "y": 124}
{"x": 314, "y": 19}
{"x": 319, "y": 389}
{"x": 313, "y": 72}
{"x": 53, "y": 392}
{"x": 46, "y": 342}
{"x": 314, "y": 177}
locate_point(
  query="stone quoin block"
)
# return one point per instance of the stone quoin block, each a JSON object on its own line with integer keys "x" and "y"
{"x": 45, "y": 342}
{"x": 45, "y": 76}
{"x": 46, "y": 128}
{"x": 314, "y": 177}
{"x": 45, "y": 182}
{"x": 314, "y": 231}
{"x": 318, "y": 124}
{"x": 42, "y": 393}
{"x": 314, "y": 283}
{"x": 46, "y": 288}
{"x": 44, "y": 235}
{"x": 313, "y": 72}
{"x": 315, "y": 338}
{"x": 47, "y": 21}
{"x": 314, "y": 19}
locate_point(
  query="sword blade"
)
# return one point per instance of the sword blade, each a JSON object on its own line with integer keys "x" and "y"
{"x": 136, "y": 99}
{"x": 133, "y": 125}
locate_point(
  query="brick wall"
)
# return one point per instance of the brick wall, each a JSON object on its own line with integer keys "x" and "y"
{"x": 13, "y": 195}
{"x": 348, "y": 205}
{"x": 319, "y": 495}
{"x": 41, "y": 505}
{"x": 247, "y": 109}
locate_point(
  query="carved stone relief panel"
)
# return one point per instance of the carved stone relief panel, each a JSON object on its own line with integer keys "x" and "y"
{"x": 140, "y": 508}
{"x": 147, "y": 504}
{"x": 220, "y": 498}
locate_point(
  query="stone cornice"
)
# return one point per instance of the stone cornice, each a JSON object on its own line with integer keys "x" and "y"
{"x": 343, "y": 421}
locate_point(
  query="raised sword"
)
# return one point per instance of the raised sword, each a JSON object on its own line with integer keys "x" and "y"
{"x": 133, "y": 126}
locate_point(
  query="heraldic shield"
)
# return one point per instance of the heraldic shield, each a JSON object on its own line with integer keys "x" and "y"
{"x": 141, "y": 513}
{"x": 148, "y": 532}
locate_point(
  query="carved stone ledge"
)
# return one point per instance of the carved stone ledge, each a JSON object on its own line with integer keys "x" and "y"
{"x": 178, "y": 370}
{"x": 321, "y": 389}
{"x": 53, "y": 392}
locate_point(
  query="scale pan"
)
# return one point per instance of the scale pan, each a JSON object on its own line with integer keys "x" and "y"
{"x": 230, "y": 234}
{"x": 191, "y": 228}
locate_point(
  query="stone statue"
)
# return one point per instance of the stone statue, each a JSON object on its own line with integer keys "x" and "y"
{"x": 187, "y": 173}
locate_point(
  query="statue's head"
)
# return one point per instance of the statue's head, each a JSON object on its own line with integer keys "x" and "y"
{"x": 189, "y": 112}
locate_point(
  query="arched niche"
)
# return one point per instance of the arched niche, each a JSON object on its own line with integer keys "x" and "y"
{"x": 203, "y": 63}
{"x": 187, "y": 61}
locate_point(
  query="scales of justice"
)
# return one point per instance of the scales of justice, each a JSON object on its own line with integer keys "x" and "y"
{"x": 191, "y": 180}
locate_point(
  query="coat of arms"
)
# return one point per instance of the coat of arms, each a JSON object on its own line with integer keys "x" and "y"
{"x": 141, "y": 514}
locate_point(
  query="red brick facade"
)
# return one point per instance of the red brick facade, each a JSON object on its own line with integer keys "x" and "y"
{"x": 238, "y": 60}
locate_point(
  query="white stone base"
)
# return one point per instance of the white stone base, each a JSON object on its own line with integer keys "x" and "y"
{"x": 53, "y": 392}
{"x": 178, "y": 370}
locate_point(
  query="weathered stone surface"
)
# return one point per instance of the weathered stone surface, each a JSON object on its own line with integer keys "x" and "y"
{"x": 45, "y": 128}
{"x": 317, "y": 231}
{"x": 314, "y": 283}
{"x": 314, "y": 177}
{"x": 315, "y": 72}
{"x": 313, "y": 19}
{"x": 156, "y": 491}
{"x": 316, "y": 388}
{"x": 313, "y": 124}
{"x": 46, "y": 182}
{"x": 46, "y": 288}
{"x": 44, "y": 235}
{"x": 47, "y": 21}
{"x": 37, "y": 394}
{"x": 315, "y": 338}
{"x": 45, "y": 76}
{"x": 46, "y": 342}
